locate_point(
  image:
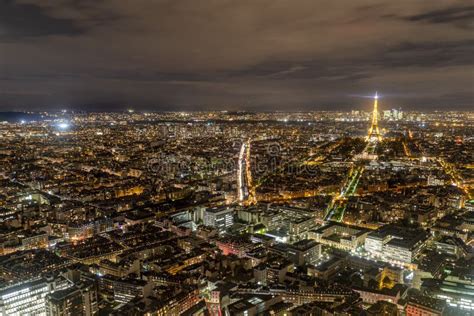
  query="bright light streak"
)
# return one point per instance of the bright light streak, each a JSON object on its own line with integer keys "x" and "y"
{"x": 63, "y": 125}
{"x": 364, "y": 96}
{"x": 240, "y": 175}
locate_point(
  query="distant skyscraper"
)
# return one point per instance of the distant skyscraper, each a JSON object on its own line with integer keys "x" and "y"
{"x": 393, "y": 115}
{"x": 400, "y": 114}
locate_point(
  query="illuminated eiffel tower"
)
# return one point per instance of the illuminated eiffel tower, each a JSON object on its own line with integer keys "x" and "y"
{"x": 374, "y": 133}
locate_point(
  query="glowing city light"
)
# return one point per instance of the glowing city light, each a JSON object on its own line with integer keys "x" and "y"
{"x": 63, "y": 125}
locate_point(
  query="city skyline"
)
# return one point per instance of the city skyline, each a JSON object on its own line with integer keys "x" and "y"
{"x": 219, "y": 213}
{"x": 246, "y": 55}
{"x": 236, "y": 157}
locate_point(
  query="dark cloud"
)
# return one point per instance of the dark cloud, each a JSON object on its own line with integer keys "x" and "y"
{"x": 18, "y": 20}
{"x": 462, "y": 16}
{"x": 253, "y": 54}
{"x": 429, "y": 54}
{"x": 407, "y": 54}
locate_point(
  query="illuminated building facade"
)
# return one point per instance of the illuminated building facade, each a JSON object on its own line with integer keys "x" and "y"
{"x": 25, "y": 298}
{"x": 219, "y": 218}
{"x": 29, "y": 298}
{"x": 397, "y": 244}
{"x": 65, "y": 302}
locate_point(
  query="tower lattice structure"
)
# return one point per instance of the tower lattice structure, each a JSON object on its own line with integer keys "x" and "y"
{"x": 374, "y": 133}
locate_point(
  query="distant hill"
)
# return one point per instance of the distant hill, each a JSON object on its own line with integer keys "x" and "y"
{"x": 15, "y": 117}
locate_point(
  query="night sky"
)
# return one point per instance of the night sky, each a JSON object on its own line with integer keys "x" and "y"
{"x": 235, "y": 55}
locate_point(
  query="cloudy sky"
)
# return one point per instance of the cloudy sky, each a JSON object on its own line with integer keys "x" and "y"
{"x": 235, "y": 55}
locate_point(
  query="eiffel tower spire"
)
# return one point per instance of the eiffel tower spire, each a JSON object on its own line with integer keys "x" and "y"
{"x": 374, "y": 133}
